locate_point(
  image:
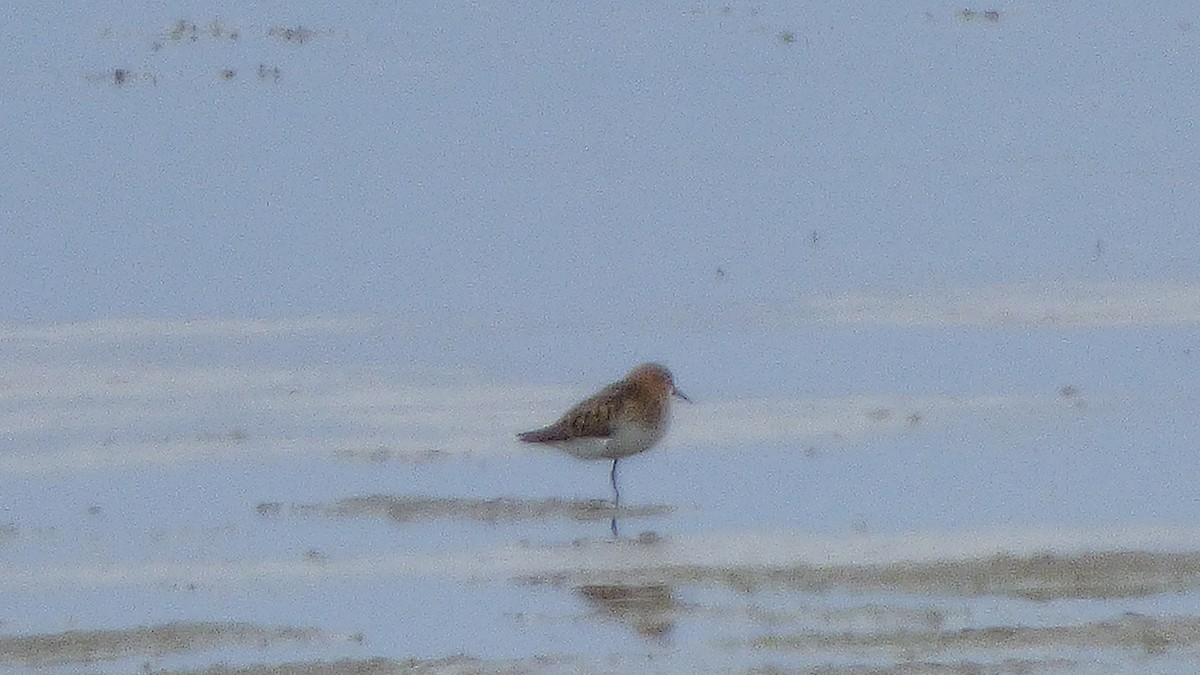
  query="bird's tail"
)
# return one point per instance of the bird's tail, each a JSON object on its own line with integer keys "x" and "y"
{"x": 543, "y": 435}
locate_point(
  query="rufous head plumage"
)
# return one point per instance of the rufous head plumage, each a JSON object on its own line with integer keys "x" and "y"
{"x": 656, "y": 378}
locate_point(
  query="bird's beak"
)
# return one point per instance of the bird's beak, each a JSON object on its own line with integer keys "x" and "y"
{"x": 681, "y": 395}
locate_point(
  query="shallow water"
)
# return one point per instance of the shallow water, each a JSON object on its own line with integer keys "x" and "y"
{"x": 225, "y": 515}
{"x": 282, "y": 281}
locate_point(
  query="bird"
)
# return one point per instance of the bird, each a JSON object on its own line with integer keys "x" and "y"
{"x": 623, "y": 419}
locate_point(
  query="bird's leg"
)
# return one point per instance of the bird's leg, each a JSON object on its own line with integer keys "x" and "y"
{"x": 616, "y": 492}
{"x": 616, "y": 500}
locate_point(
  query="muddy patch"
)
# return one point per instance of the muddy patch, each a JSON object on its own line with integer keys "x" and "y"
{"x": 451, "y": 665}
{"x": 8, "y": 532}
{"x": 1151, "y": 635}
{"x": 928, "y": 614}
{"x": 1041, "y": 577}
{"x": 92, "y": 646}
{"x": 928, "y": 667}
{"x": 499, "y": 510}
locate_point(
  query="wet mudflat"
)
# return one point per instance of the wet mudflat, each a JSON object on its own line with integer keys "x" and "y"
{"x": 282, "y": 282}
{"x": 250, "y": 517}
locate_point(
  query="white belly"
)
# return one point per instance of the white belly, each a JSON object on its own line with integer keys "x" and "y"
{"x": 629, "y": 439}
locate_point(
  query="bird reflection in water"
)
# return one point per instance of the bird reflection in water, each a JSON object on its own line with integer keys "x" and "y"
{"x": 648, "y": 608}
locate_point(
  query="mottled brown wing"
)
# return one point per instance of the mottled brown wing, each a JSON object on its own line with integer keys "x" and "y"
{"x": 591, "y": 418}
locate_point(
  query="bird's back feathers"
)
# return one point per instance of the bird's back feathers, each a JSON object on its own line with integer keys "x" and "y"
{"x": 591, "y": 418}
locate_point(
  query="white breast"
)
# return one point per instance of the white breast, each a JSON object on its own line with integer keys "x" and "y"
{"x": 627, "y": 439}
{"x": 630, "y": 439}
